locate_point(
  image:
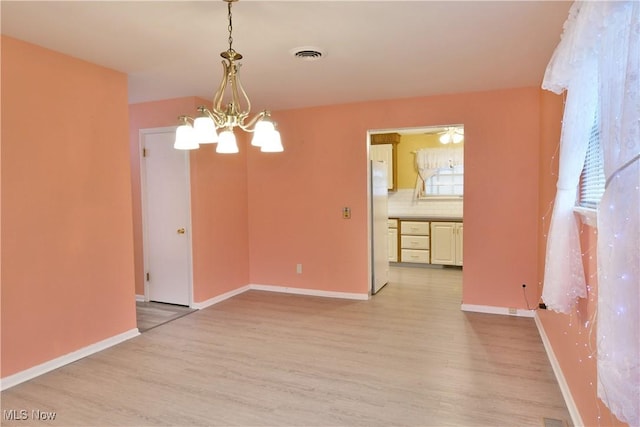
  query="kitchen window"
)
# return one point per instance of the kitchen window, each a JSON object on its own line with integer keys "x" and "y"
{"x": 446, "y": 182}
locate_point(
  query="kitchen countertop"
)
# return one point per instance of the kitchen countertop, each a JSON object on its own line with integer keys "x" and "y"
{"x": 426, "y": 218}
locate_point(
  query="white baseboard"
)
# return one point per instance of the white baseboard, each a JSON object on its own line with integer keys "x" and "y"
{"x": 27, "y": 374}
{"x": 497, "y": 310}
{"x": 139, "y": 298}
{"x": 576, "y": 419}
{"x": 281, "y": 289}
{"x": 219, "y": 298}
{"x": 310, "y": 292}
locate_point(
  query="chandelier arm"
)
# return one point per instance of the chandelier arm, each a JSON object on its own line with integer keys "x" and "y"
{"x": 218, "y": 119}
{"x": 249, "y": 127}
{"x": 217, "y": 99}
{"x": 238, "y": 87}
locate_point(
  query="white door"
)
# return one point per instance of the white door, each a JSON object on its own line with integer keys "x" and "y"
{"x": 166, "y": 217}
{"x": 379, "y": 226}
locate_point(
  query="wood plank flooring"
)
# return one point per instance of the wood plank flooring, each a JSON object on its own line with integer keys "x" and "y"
{"x": 153, "y": 314}
{"x": 408, "y": 357}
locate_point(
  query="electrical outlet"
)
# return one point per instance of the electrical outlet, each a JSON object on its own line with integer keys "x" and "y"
{"x": 346, "y": 212}
{"x": 513, "y": 311}
{"x": 299, "y": 268}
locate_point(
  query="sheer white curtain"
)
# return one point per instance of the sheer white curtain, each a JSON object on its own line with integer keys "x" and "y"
{"x": 619, "y": 211}
{"x": 572, "y": 68}
{"x": 604, "y": 37}
{"x": 429, "y": 160}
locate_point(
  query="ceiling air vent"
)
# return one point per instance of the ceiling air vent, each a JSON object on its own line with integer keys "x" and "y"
{"x": 308, "y": 53}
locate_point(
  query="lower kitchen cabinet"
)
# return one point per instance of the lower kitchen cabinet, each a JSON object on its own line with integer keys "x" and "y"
{"x": 414, "y": 241}
{"x": 459, "y": 240}
{"x": 393, "y": 240}
{"x": 446, "y": 243}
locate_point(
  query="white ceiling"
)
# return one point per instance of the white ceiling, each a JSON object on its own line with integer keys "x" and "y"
{"x": 374, "y": 49}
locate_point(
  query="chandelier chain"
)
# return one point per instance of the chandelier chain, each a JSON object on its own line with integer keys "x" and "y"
{"x": 230, "y": 27}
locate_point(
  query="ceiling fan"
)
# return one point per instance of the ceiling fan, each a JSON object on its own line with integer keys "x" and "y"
{"x": 452, "y": 135}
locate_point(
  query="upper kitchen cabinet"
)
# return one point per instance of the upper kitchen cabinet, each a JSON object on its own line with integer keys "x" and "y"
{"x": 383, "y": 148}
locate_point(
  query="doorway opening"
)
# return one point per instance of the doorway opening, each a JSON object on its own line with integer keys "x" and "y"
{"x": 425, "y": 196}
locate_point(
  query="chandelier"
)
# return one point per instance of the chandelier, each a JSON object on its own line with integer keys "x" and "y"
{"x": 203, "y": 129}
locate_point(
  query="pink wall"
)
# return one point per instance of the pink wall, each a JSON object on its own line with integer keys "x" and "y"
{"x": 295, "y": 198}
{"x": 67, "y": 244}
{"x": 219, "y": 217}
{"x": 219, "y": 204}
{"x": 572, "y": 337}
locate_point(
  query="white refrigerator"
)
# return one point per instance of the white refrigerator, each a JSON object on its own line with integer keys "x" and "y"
{"x": 379, "y": 226}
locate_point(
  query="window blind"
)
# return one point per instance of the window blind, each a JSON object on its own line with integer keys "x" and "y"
{"x": 592, "y": 178}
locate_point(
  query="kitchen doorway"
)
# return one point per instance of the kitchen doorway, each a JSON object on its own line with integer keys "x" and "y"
{"x": 426, "y": 194}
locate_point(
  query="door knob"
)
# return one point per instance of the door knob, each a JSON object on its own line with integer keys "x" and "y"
{"x": 180, "y": 230}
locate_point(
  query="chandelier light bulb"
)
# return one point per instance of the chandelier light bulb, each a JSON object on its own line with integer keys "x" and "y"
{"x": 205, "y": 130}
{"x": 185, "y": 138}
{"x": 227, "y": 142}
{"x": 273, "y": 143}
{"x": 261, "y": 132}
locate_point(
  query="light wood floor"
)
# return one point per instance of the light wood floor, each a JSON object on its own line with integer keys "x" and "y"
{"x": 150, "y": 315}
{"x": 407, "y": 357}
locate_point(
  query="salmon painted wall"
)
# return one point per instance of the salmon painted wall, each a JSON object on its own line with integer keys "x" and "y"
{"x": 218, "y": 200}
{"x": 219, "y": 220}
{"x": 572, "y": 337}
{"x": 67, "y": 242}
{"x": 296, "y": 197}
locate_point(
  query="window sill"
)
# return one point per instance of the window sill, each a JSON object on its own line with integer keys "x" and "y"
{"x": 588, "y": 216}
{"x": 423, "y": 198}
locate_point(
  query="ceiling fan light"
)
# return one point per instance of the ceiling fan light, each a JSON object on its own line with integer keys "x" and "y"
{"x": 445, "y": 138}
{"x": 205, "y": 130}
{"x": 185, "y": 138}
{"x": 227, "y": 142}
{"x": 457, "y": 138}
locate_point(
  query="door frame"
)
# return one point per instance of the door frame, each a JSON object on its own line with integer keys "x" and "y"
{"x": 142, "y": 133}
{"x": 414, "y": 129}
